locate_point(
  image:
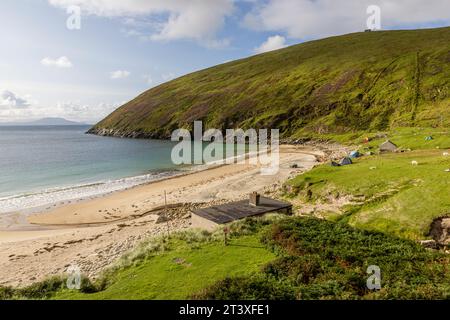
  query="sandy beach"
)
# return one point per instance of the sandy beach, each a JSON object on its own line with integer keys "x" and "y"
{"x": 95, "y": 233}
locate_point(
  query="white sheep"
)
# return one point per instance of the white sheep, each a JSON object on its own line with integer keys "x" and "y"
{"x": 414, "y": 163}
{"x": 445, "y": 154}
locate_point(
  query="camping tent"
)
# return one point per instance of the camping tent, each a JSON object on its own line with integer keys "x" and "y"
{"x": 334, "y": 164}
{"x": 388, "y": 146}
{"x": 346, "y": 161}
{"x": 429, "y": 138}
{"x": 355, "y": 154}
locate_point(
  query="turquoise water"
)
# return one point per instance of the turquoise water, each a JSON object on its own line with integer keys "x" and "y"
{"x": 44, "y": 165}
{"x": 38, "y": 158}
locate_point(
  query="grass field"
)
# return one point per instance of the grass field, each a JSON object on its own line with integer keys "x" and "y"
{"x": 404, "y": 137}
{"x": 396, "y": 197}
{"x": 179, "y": 272}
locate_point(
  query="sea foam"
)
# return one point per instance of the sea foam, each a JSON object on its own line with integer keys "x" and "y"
{"x": 50, "y": 197}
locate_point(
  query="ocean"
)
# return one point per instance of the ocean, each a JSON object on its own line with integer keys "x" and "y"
{"x": 43, "y": 165}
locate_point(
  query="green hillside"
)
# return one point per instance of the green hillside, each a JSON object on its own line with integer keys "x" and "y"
{"x": 382, "y": 192}
{"x": 362, "y": 81}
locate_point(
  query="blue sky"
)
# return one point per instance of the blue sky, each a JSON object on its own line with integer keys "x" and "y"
{"x": 125, "y": 47}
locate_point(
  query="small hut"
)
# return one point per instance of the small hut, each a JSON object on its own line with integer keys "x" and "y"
{"x": 210, "y": 218}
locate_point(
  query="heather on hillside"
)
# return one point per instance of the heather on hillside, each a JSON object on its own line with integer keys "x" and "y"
{"x": 356, "y": 82}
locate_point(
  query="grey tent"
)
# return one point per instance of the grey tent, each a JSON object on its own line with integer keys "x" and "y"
{"x": 388, "y": 146}
{"x": 346, "y": 161}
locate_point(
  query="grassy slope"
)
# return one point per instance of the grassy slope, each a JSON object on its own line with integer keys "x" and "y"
{"x": 354, "y": 82}
{"x": 275, "y": 258}
{"x": 160, "y": 277}
{"x": 324, "y": 260}
{"x": 400, "y": 198}
{"x": 286, "y": 258}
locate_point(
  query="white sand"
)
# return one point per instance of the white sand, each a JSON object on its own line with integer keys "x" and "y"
{"x": 94, "y": 233}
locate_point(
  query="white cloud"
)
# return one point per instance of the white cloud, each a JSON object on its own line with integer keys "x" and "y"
{"x": 13, "y": 107}
{"x": 201, "y": 20}
{"x": 198, "y": 20}
{"x": 305, "y": 19}
{"x": 61, "y": 62}
{"x": 83, "y": 112}
{"x": 272, "y": 43}
{"x": 9, "y": 100}
{"x": 119, "y": 74}
{"x": 81, "y": 102}
{"x": 71, "y": 110}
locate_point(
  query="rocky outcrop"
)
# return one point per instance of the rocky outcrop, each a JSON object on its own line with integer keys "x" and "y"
{"x": 106, "y": 132}
{"x": 440, "y": 230}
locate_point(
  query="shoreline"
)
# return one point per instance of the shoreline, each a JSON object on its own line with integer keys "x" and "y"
{"x": 32, "y": 219}
{"x": 93, "y": 234}
{"x": 109, "y": 186}
{"x": 128, "y": 183}
{"x": 143, "y": 198}
{"x": 18, "y": 220}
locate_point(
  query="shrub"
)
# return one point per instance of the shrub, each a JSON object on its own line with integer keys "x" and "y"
{"x": 258, "y": 287}
{"x": 43, "y": 289}
{"x": 87, "y": 286}
{"x": 325, "y": 260}
{"x": 6, "y": 293}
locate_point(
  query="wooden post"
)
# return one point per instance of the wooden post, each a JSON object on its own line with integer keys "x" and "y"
{"x": 166, "y": 214}
{"x": 165, "y": 199}
{"x": 225, "y": 232}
